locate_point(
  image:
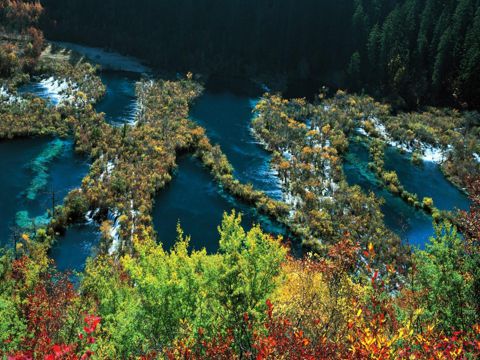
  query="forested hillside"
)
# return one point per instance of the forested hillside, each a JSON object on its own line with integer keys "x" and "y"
{"x": 424, "y": 50}
{"x": 410, "y": 51}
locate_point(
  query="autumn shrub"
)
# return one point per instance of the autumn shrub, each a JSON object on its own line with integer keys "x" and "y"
{"x": 8, "y": 61}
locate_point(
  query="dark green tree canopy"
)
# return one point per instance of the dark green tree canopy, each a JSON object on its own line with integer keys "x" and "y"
{"x": 414, "y": 52}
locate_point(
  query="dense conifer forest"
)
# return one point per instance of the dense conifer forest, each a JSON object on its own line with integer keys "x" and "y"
{"x": 412, "y": 52}
{"x": 397, "y": 132}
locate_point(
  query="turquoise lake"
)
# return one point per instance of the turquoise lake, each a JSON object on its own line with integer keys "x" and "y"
{"x": 36, "y": 173}
{"x": 119, "y": 103}
{"x": 194, "y": 198}
{"x": 412, "y": 225}
{"x": 199, "y": 203}
{"x": 33, "y": 168}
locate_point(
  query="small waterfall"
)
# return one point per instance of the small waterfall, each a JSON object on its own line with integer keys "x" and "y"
{"x": 7, "y": 97}
{"x": 54, "y": 90}
{"x": 113, "y": 216}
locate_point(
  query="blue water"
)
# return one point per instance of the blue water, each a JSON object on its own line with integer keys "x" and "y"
{"x": 193, "y": 196}
{"x": 426, "y": 180}
{"x": 195, "y": 200}
{"x": 32, "y": 168}
{"x": 71, "y": 251}
{"x": 412, "y": 225}
{"x": 62, "y": 173}
{"x": 38, "y": 173}
{"x": 119, "y": 102}
{"x": 15, "y": 177}
{"x": 37, "y": 89}
{"x": 227, "y": 119}
{"x": 35, "y": 173}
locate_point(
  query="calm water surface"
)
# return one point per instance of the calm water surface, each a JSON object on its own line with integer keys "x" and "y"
{"x": 15, "y": 177}
{"x": 119, "y": 103}
{"x": 227, "y": 119}
{"x": 35, "y": 175}
{"x": 412, "y": 225}
{"x": 72, "y": 250}
{"x": 195, "y": 200}
{"x": 32, "y": 168}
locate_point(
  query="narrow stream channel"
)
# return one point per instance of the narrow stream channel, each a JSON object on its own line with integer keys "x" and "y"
{"x": 119, "y": 103}
{"x": 226, "y": 117}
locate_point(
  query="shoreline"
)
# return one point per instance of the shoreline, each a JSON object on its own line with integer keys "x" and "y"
{"x": 109, "y": 60}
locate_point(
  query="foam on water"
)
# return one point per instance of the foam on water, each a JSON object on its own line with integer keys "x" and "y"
{"x": 56, "y": 91}
{"x": 8, "y": 97}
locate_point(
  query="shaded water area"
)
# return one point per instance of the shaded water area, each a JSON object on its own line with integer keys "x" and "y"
{"x": 426, "y": 180}
{"x": 72, "y": 250}
{"x": 227, "y": 117}
{"x": 412, "y": 225}
{"x": 119, "y": 103}
{"x": 194, "y": 199}
{"x": 36, "y": 175}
